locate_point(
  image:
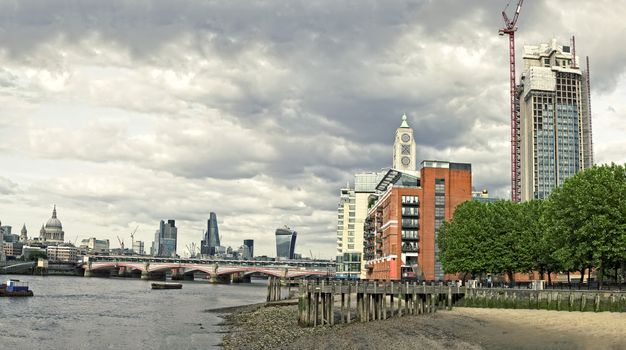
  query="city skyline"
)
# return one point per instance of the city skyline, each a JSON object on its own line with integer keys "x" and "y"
{"x": 262, "y": 113}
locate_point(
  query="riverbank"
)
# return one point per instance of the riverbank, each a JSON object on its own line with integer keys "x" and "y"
{"x": 259, "y": 327}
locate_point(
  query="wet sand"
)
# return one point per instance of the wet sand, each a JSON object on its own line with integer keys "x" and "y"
{"x": 462, "y": 328}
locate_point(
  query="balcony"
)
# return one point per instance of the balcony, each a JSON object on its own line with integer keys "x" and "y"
{"x": 410, "y": 212}
{"x": 410, "y": 248}
{"x": 410, "y": 223}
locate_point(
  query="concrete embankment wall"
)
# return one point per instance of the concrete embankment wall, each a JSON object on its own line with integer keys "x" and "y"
{"x": 563, "y": 300}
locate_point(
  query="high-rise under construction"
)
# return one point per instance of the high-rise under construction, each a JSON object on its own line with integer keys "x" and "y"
{"x": 555, "y": 119}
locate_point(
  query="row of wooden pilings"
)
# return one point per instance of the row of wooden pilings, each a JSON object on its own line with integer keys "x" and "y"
{"x": 274, "y": 288}
{"x": 374, "y": 300}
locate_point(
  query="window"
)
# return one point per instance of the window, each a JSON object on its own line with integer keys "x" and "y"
{"x": 406, "y": 149}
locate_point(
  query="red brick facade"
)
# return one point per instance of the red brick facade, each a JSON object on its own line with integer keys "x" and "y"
{"x": 391, "y": 255}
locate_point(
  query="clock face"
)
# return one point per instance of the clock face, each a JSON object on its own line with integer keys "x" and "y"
{"x": 405, "y": 137}
{"x": 406, "y": 161}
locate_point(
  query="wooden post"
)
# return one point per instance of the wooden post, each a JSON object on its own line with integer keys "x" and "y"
{"x": 449, "y": 297}
{"x": 384, "y": 296}
{"x": 349, "y": 304}
{"x": 317, "y": 308}
{"x": 343, "y": 301}
{"x": 332, "y": 308}
{"x": 399, "y": 305}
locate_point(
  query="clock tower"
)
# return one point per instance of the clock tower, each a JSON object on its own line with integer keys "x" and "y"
{"x": 404, "y": 148}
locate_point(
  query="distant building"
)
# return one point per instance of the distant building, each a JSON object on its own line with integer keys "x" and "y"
{"x": 285, "y": 242}
{"x": 405, "y": 217}
{"x": 211, "y": 237}
{"x": 12, "y": 249}
{"x": 244, "y": 252}
{"x": 24, "y": 234}
{"x": 138, "y": 248}
{"x": 250, "y": 244}
{"x": 62, "y": 253}
{"x": 27, "y": 251}
{"x": 52, "y": 232}
{"x": 95, "y": 246}
{"x": 2, "y": 256}
{"x": 483, "y": 196}
{"x": 165, "y": 239}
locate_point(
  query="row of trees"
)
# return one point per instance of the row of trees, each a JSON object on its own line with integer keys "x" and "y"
{"x": 582, "y": 225}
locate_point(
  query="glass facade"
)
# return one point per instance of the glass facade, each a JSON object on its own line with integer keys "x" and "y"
{"x": 211, "y": 240}
{"x": 285, "y": 243}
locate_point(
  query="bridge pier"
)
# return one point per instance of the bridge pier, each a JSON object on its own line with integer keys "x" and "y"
{"x": 88, "y": 273}
{"x": 219, "y": 279}
{"x": 177, "y": 274}
{"x": 145, "y": 275}
{"x": 240, "y": 278}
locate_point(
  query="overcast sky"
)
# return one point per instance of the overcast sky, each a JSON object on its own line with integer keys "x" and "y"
{"x": 123, "y": 113}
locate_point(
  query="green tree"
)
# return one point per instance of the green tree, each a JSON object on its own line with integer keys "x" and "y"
{"x": 586, "y": 219}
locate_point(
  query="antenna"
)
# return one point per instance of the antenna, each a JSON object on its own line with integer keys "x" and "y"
{"x": 574, "y": 52}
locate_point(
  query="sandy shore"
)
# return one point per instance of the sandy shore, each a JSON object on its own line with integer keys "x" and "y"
{"x": 258, "y": 327}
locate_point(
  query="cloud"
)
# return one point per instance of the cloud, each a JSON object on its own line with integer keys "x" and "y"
{"x": 128, "y": 112}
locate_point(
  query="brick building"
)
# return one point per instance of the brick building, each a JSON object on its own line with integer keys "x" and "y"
{"x": 404, "y": 218}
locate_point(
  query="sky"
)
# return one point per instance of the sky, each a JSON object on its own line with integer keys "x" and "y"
{"x": 123, "y": 113}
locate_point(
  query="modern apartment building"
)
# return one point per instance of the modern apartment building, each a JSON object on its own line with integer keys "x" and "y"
{"x": 555, "y": 119}
{"x": 351, "y": 214}
{"x": 403, "y": 222}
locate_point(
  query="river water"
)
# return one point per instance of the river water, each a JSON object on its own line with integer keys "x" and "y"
{"x": 118, "y": 313}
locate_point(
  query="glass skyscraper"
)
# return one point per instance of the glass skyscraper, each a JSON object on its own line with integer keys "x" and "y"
{"x": 285, "y": 242}
{"x": 165, "y": 239}
{"x": 211, "y": 240}
{"x": 555, "y": 119}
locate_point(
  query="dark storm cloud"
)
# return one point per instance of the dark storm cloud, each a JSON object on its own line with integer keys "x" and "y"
{"x": 267, "y": 108}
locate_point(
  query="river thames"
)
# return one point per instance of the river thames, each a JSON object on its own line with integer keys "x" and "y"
{"x": 116, "y": 313}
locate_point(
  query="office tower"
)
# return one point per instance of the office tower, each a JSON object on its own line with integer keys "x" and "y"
{"x": 555, "y": 119}
{"x": 138, "y": 247}
{"x": 250, "y": 244}
{"x": 165, "y": 238}
{"x": 285, "y": 242}
{"x": 208, "y": 246}
{"x": 404, "y": 148}
{"x": 404, "y": 220}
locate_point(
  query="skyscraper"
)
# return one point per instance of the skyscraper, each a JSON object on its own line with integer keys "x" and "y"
{"x": 250, "y": 244}
{"x": 165, "y": 239}
{"x": 555, "y": 119}
{"x": 211, "y": 237}
{"x": 285, "y": 242}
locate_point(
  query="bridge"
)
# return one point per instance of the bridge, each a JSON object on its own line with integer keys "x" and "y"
{"x": 217, "y": 270}
{"x": 18, "y": 267}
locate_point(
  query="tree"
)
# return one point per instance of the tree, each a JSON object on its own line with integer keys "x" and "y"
{"x": 586, "y": 218}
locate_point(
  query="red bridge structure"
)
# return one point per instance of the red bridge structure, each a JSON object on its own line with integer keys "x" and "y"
{"x": 216, "y": 270}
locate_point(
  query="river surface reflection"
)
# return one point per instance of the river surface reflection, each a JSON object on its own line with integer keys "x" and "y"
{"x": 118, "y": 313}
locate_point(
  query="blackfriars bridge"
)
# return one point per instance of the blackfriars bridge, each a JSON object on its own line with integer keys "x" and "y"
{"x": 217, "y": 270}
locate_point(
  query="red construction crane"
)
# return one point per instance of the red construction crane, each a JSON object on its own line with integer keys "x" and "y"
{"x": 510, "y": 28}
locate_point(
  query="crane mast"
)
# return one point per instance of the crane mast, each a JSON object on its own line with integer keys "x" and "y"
{"x": 509, "y": 29}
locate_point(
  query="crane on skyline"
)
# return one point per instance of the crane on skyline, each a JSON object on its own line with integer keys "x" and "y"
{"x": 132, "y": 238}
{"x": 509, "y": 29}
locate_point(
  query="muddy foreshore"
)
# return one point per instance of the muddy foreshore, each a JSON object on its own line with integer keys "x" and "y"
{"x": 275, "y": 327}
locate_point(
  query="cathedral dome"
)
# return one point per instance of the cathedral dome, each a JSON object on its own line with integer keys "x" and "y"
{"x": 54, "y": 223}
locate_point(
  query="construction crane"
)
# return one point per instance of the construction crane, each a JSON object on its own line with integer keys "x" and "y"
{"x": 509, "y": 29}
{"x": 132, "y": 238}
{"x": 121, "y": 242}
